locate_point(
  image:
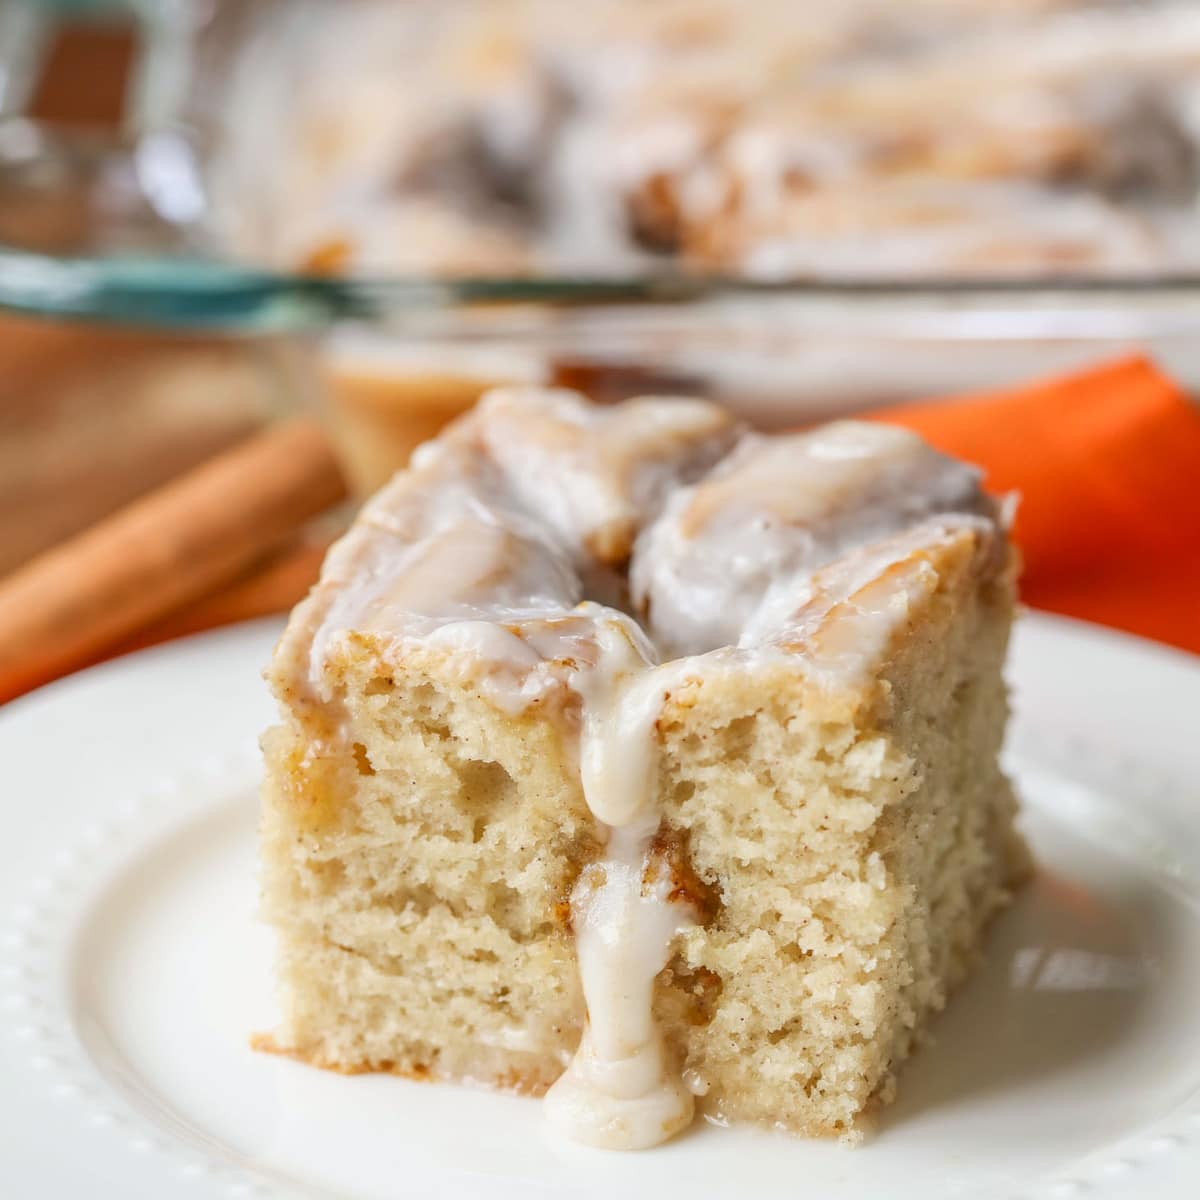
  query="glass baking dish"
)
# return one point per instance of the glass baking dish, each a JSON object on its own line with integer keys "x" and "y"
{"x": 115, "y": 229}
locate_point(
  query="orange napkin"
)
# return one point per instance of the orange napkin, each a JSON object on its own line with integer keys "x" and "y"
{"x": 1107, "y": 464}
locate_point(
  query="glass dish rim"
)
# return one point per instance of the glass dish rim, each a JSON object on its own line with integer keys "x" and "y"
{"x": 169, "y": 291}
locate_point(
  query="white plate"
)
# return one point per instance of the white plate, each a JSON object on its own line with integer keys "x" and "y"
{"x": 133, "y": 971}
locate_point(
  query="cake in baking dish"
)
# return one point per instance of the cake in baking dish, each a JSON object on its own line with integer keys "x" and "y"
{"x": 639, "y": 760}
{"x": 776, "y": 139}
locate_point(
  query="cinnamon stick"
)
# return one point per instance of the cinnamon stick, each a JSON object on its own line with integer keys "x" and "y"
{"x": 172, "y": 546}
{"x": 274, "y": 585}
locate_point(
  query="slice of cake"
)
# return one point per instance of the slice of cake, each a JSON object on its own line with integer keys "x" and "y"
{"x": 642, "y": 761}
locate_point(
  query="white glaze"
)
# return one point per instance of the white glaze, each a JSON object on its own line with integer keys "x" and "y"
{"x": 807, "y": 546}
{"x": 737, "y": 547}
{"x": 592, "y": 474}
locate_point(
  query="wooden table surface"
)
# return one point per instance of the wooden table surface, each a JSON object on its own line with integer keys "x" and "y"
{"x": 93, "y": 417}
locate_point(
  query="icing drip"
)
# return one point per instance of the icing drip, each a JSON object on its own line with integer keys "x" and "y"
{"x": 811, "y": 547}
{"x": 619, "y": 1092}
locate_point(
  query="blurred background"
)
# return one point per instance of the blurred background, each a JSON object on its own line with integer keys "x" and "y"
{"x": 253, "y": 251}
